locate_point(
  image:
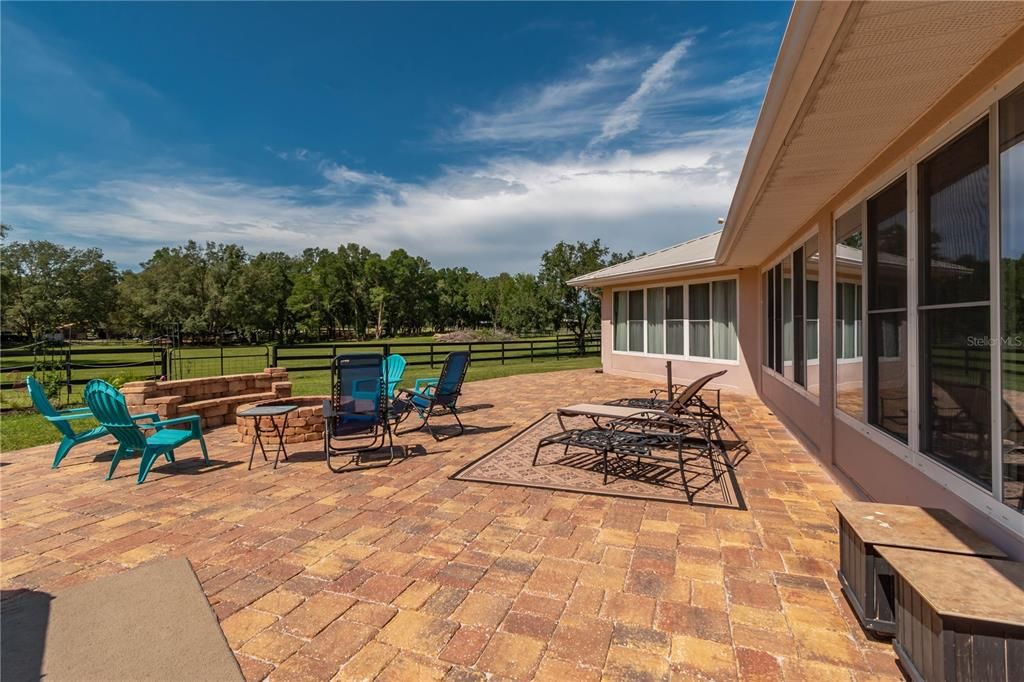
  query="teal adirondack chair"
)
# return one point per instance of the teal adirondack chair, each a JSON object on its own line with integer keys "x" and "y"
{"x": 395, "y": 367}
{"x": 110, "y": 409}
{"x": 61, "y": 420}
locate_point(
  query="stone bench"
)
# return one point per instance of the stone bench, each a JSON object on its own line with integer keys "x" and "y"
{"x": 219, "y": 411}
{"x": 214, "y": 399}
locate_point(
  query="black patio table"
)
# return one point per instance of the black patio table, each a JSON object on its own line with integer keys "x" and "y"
{"x": 270, "y": 411}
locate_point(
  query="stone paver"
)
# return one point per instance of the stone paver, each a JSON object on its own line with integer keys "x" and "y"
{"x": 401, "y": 573}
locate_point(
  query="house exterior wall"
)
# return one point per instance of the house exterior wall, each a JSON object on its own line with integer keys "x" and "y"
{"x": 868, "y": 462}
{"x": 738, "y": 377}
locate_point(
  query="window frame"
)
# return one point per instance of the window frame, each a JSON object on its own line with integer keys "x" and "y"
{"x": 987, "y": 500}
{"x": 764, "y": 275}
{"x": 686, "y": 319}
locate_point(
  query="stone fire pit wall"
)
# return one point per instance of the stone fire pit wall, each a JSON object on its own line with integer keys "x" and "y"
{"x": 305, "y": 425}
{"x": 214, "y": 399}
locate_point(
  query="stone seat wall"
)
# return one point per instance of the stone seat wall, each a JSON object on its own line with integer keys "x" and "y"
{"x": 214, "y": 399}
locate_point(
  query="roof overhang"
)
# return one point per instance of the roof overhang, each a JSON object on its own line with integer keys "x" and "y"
{"x": 849, "y": 79}
{"x": 585, "y": 282}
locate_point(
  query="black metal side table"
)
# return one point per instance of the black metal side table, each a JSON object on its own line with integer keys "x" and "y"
{"x": 269, "y": 411}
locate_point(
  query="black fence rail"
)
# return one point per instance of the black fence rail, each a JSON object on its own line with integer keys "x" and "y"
{"x": 72, "y": 366}
{"x": 191, "y": 363}
{"x": 78, "y": 365}
{"x": 317, "y": 357}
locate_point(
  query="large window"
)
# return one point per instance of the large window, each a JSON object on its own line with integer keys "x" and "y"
{"x": 636, "y": 320}
{"x": 696, "y": 320}
{"x": 887, "y": 310}
{"x": 1011, "y": 346}
{"x": 954, "y": 311}
{"x": 723, "y": 319}
{"x": 621, "y": 315}
{"x": 791, "y": 316}
{"x": 675, "y": 321}
{"x": 811, "y": 334}
{"x": 849, "y": 276}
{"x": 700, "y": 320}
{"x": 943, "y": 334}
{"x": 656, "y": 320}
{"x": 773, "y": 320}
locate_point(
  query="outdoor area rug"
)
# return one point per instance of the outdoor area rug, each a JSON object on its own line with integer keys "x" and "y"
{"x": 149, "y": 623}
{"x": 708, "y": 481}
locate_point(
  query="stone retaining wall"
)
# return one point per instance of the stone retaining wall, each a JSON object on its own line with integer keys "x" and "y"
{"x": 214, "y": 399}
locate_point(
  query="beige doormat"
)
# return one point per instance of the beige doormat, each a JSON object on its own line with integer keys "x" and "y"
{"x": 708, "y": 481}
{"x": 149, "y": 623}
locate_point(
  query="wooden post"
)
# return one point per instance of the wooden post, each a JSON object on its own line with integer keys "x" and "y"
{"x": 668, "y": 377}
{"x": 531, "y": 350}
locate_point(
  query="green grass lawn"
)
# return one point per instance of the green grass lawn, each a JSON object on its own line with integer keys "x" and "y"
{"x": 24, "y": 428}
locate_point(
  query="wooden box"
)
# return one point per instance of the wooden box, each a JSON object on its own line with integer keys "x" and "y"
{"x": 865, "y": 577}
{"x": 958, "y": 618}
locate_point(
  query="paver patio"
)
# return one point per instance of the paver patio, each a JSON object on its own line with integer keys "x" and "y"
{"x": 400, "y": 573}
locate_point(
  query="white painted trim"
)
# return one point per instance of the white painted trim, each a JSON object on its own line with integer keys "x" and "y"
{"x": 995, "y": 302}
{"x": 678, "y": 358}
{"x": 913, "y": 347}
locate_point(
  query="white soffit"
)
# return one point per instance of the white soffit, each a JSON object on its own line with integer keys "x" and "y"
{"x": 894, "y": 62}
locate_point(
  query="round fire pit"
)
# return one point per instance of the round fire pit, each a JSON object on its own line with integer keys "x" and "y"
{"x": 305, "y": 424}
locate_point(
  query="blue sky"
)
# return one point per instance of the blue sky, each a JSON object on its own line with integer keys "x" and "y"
{"x": 471, "y": 134}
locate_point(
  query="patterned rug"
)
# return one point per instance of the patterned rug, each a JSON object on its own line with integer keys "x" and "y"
{"x": 708, "y": 481}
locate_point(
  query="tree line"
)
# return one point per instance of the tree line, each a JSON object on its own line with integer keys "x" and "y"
{"x": 220, "y": 292}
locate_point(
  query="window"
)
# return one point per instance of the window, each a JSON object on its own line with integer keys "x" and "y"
{"x": 954, "y": 311}
{"x": 700, "y": 320}
{"x": 887, "y": 310}
{"x": 656, "y": 320}
{"x": 773, "y": 319}
{"x": 621, "y": 333}
{"x": 696, "y": 320}
{"x": 723, "y": 317}
{"x": 787, "y": 317}
{"x": 1011, "y": 346}
{"x": 791, "y": 315}
{"x": 675, "y": 321}
{"x": 810, "y": 337}
{"x": 799, "y": 361}
{"x": 960, "y": 402}
{"x": 849, "y": 274}
{"x": 636, "y": 320}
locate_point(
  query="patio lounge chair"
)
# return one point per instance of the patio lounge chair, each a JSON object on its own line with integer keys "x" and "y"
{"x": 688, "y": 403}
{"x": 107, "y": 403}
{"x": 355, "y": 419}
{"x": 61, "y": 421}
{"x": 434, "y": 397}
{"x": 630, "y": 433}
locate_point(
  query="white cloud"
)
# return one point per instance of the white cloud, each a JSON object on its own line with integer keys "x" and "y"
{"x": 497, "y": 213}
{"x": 497, "y": 216}
{"x": 568, "y": 107}
{"x": 626, "y": 117}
